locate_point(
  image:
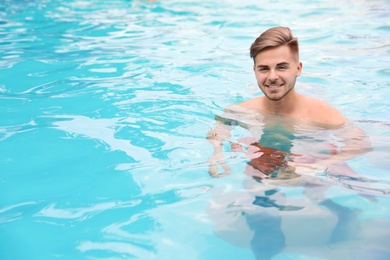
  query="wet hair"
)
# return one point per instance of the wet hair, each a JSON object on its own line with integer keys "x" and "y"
{"x": 272, "y": 38}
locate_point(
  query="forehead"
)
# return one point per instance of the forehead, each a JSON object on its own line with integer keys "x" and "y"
{"x": 275, "y": 55}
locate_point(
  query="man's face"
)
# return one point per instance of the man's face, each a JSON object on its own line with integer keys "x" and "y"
{"x": 276, "y": 71}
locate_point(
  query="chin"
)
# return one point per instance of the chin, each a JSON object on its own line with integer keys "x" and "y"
{"x": 274, "y": 98}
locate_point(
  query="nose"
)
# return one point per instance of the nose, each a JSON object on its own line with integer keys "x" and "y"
{"x": 273, "y": 75}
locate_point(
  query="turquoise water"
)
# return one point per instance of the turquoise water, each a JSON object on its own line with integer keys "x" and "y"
{"x": 105, "y": 106}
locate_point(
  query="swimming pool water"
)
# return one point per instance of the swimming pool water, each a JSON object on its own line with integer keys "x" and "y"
{"x": 104, "y": 109}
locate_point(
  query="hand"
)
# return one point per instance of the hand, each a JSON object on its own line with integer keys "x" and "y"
{"x": 236, "y": 147}
{"x": 212, "y": 136}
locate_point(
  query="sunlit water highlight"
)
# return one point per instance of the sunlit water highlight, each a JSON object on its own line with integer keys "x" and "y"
{"x": 105, "y": 106}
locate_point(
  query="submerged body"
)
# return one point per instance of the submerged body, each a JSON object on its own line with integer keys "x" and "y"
{"x": 283, "y": 206}
{"x": 280, "y": 147}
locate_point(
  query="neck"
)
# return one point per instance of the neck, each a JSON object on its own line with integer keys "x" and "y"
{"x": 284, "y": 106}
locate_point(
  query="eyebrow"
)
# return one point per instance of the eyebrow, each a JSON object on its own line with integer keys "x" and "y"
{"x": 279, "y": 64}
{"x": 283, "y": 63}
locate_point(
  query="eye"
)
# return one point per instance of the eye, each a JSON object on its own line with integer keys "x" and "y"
{"x": 263, "y": 69}
{"x": 283, "y": 67}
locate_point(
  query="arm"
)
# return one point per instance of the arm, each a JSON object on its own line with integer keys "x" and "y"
{"x": 216, "y": 137}
{"x": 356, "y": 143}
{"x": 232, "y": 116}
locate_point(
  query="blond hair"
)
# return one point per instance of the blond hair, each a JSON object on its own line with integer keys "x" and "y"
{"x": 272, "y": 38}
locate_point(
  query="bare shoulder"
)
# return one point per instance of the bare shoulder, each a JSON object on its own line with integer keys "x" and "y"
{"x": 254, "y": 103}
{"x": 324, "y": 113}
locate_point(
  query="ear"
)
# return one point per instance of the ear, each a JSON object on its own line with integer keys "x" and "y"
{"x": 299, "y": 69}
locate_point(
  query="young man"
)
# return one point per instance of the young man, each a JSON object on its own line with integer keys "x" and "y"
{"x": 277, "y": 66}
{"x": 291, "y": 139}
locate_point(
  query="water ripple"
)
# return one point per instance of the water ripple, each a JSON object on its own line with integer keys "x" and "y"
{"x": 105, "y": 106}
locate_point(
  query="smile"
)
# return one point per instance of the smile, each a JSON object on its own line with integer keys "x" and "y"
{"x": 274, "y": 86}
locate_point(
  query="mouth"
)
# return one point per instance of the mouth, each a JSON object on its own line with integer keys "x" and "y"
{"x": 274, "y": 86}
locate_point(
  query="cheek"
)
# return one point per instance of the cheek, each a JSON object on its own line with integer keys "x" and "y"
{"x": 291, "y": 76}
{"x": 259, "y": 77}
